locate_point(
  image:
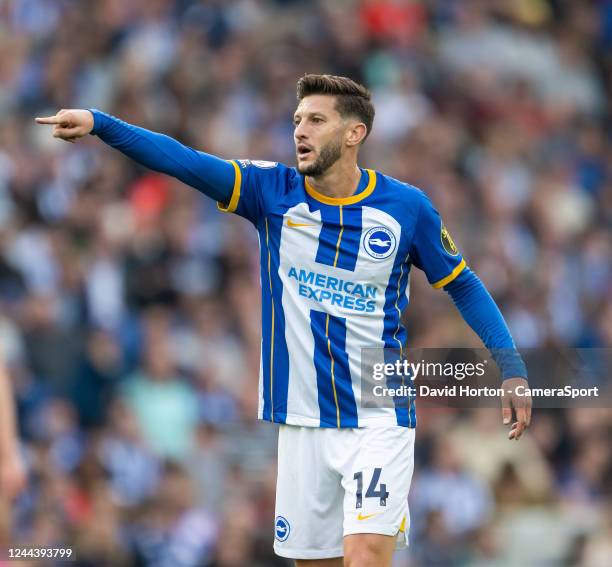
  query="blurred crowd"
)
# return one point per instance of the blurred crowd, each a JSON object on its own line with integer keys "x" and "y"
{"x": 129, "y": 306}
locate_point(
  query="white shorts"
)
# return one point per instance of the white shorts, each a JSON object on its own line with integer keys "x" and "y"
{"x": 337, "y": 482}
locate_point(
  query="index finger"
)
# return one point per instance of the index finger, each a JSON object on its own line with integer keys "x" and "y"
{"x": 49, "y": 120}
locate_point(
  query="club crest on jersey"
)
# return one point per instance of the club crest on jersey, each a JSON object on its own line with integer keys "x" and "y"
{"x": 447, "y": 242}
{"x": 281, "y": 528}
{"x": 379, "y": 242}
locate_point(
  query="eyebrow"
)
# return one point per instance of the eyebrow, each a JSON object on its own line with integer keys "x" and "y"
{"x": 311, "y": 114}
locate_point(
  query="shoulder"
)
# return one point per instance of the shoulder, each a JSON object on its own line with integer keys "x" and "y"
{"x": 396, "y": 190}
{"x": 262, "y": 172}
{"x": 264, "y": 167}
{"x": 403, "y": 200}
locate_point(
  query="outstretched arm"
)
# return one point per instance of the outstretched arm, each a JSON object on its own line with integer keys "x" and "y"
{"x": 482, "y": 314}
{"x": 211, "y": 175}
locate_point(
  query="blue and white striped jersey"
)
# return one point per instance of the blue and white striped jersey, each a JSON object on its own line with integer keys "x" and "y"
{"x": 334, "y": 278}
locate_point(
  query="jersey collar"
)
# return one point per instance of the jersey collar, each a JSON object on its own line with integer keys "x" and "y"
{"x": 343, "y": 200}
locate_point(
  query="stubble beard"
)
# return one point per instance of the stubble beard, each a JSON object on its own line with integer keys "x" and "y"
{"x": 329, "y": 155}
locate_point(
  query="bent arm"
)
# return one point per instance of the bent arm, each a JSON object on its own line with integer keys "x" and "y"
{"x": 481, "y": 313}
{"x": 211, "y": 175}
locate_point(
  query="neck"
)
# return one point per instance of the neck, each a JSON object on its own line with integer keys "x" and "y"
{"x": 339, "y": 181}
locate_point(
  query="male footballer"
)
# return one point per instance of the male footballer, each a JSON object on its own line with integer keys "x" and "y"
{"x": 337, "y": 243}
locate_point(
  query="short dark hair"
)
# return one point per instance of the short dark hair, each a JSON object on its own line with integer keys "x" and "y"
{"x": 352, "y": 99}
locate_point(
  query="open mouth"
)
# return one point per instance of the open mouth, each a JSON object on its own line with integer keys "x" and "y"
{"x": 303, "y": 151}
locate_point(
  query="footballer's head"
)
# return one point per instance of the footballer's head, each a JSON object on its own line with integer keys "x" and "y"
{"x": 334, "y": 116}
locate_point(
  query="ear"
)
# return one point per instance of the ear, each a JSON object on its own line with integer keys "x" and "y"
{"x": 355, "y": 134}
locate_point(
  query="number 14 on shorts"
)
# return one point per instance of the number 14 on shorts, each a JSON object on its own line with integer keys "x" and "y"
{"x": 373, "y": 491}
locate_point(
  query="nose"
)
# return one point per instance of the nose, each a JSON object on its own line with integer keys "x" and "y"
{"x": 299, "y": 132}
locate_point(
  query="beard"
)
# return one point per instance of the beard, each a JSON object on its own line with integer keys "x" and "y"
{"x": 329, "y": 155}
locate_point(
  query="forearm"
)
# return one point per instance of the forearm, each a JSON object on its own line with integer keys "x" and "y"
{"x": 209, "y": 174}
{"x": 481, "y": 313}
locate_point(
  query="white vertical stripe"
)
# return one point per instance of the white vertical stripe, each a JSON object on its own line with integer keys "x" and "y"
{"x": 367, "y": 331}
{"x": 299, "y": 249}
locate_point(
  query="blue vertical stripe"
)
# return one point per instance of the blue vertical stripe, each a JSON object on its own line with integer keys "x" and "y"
{"x": 340, "y": 236}
{"x": 342, "y": 373}
{"x": 330, "y": 236}
{"x": 325, "y": 388}
{"x": 266, "y": 320}
{"x": 394, "y": 334}
{"x": 351, "y": 237}
{"x": 337, "y": 405}
{"x": 341, "y": 231}
{"x": 275, "y": 355}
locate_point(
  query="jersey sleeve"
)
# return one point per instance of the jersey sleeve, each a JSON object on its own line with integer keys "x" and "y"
{"x": 432, "y": 248}
{"x": 209, "y": 174}
{"x": 257, "y": 187}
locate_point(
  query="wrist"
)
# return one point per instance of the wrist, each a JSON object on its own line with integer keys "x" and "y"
{"x": 510, "y": 363}
{"x": 515, "y": 370}
{"x": 96, "y": 121}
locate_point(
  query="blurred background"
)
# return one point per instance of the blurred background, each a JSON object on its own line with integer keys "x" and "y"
{"x": 129, "y": 307}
